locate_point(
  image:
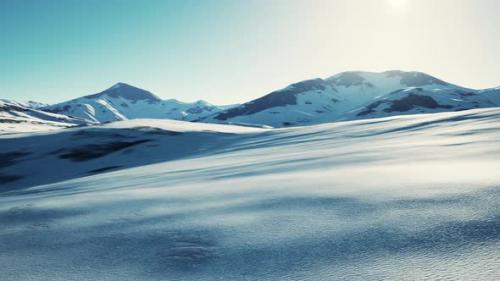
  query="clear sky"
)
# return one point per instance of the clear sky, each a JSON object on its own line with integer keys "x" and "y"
{"x": 230, "y": 51}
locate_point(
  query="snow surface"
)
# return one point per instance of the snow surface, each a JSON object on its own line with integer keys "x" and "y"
{"x": 398, "y": 198}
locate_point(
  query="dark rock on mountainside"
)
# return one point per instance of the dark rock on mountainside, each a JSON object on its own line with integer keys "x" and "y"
{"x": 404, "y": 104}
{"x": 413, "y": 100}
{"x": 287, "y": 96}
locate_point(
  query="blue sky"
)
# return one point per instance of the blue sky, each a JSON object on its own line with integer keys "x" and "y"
{"x": 230, "y": 51}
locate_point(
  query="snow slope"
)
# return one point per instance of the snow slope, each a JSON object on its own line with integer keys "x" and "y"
{"x": 399, "y": 198}
{"x": 336, "y": 98}
{"x": 16, "y": 117}
{"x": 85, "y": 151}
{"x": 122, "y": 102}
{"x": 28, "y": 104}
{"x": 419, "y": 100}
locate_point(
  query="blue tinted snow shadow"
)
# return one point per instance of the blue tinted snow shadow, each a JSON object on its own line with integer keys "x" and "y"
{"x": 192, "y": 243}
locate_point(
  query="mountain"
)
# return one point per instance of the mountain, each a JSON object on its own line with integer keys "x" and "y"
{"x": 18, "y": 117}
{"x": 123, "y": 101}
{"x": 346, "y": 96}
{"x": 356, "y": 95}
{"x": 420, "y": 100}
{"x": 28, "y": 104}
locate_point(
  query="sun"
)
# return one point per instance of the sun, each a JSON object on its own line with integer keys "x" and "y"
{"x": 398, "y": 5}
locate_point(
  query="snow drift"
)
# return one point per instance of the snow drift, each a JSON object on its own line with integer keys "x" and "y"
{"x": 398, "y": 198}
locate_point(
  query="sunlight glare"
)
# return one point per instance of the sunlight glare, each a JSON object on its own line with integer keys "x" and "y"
{"x": 398, "y": 5}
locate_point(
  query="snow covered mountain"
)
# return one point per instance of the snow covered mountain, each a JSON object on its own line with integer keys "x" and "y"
{"x": 28, "y": 104}
{"x": 345, "y": 96}
{"x": 431, "y": 100}
{"x": 356, "y": 95}
{"x": 16, "y": 117}
{"x": 123, "y": 101}
{"x": 356, "y": 200}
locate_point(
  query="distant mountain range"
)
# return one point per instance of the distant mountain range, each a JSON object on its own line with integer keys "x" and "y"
{"x": 122, "y": 102}
{"x": 357, "y": 95}
{"x": 345, "y": 96}
{"x": 27, "y": 116}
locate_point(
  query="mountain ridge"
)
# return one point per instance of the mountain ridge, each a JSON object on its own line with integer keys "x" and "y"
{"x": 27, "y": 117}
{"x": 123, "y": 101}
{"x": 335, "y": 98}
{"x": 127, "y": 91}
{"x": 344, "y": 96}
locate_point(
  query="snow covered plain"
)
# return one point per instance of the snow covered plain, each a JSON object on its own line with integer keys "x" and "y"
{"x": 398, "y": 198}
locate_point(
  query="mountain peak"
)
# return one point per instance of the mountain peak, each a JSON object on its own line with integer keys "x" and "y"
{"x": 120, "y": 85}
{"x": 406, "y": 78}
{"x": 126, "y": 91}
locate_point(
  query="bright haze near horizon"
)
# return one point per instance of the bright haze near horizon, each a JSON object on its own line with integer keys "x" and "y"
{"x": 233, "y": 51}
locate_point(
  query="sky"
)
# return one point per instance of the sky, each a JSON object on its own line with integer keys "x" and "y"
{"x": 231, "y": 51}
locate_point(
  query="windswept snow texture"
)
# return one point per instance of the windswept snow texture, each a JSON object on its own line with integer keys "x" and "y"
{"x": 356, "y": 95}
{"x": 123, "y": 101}
{"x": 85, "y": 151}
{"x": 399, "y": 198}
